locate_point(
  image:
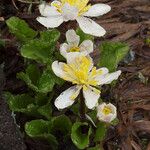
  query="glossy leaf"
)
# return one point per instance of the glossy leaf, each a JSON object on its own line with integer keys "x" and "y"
{"x": 41, "y": 129}
{"x": 20, "y": 29}
{"x": 61, "y": 124}
{"x": 22, "y": 103}
{"x": 100, "y": 132}
{"x": 112, "y": 54}
{"x": 80, "y": 134}
{"x": 33, "y": 72}
{"x": 50, "y": 35}
{"x": 46, "y": 111}
{"x": 45, "y": 82}
{"x": 38, "y": 50}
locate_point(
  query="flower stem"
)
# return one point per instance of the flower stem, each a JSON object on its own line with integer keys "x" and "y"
{"x": 82, "y": 107}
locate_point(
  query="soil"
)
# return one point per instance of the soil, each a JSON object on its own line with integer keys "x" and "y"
{"x": 129, "y": 21}
{"x": 10, "y": 136}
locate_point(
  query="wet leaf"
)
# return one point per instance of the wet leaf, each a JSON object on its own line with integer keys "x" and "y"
{"x": 40, "y": 129}
{"x": 39, "y": 51}
{"x": 80, "y": 134}
{"x": 20, "y": 29}
{"x": 61, "y": 125}
{"x": 100, "y": 132}
{"x": 114, "y": 52}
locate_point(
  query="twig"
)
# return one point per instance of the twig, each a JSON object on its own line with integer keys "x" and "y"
{"x": 15, "y": 4}
{"x": 27, "y": 2}
{"x": 82, "y": 107}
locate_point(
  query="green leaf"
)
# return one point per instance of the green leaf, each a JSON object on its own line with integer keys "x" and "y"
{"x": 2, "y": 43}
{"x": 95, "y": 148}
{"x": 84, "y": 36}
{"x": 33, "y": 72}
{"x": 20, "y": 29}
{"x": 100, "y": 132}
{"x": 115, "y": 122}
{"x": 39, "y": 51}
{"x": 23, "y": 76}
{"x": 112, "y": 54}
{"x": 22, "y": 103}
{"x": 45, "y": 82}
{"x": 93, "y": 115}
{"x": 80, "y": 134}
{"x": 46, "y": 111}
{"x": 42, "y": 99}
{"x": 50, "y": 35}
{"x": 61, "y": 124}
{"x": 40, "y": 129}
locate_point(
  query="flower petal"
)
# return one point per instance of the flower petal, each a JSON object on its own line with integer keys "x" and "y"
{"x": 47, "y": 10}
{"x": 50, "y": 22}
{"x": 71, "y": 56}
{"x": 63, "y": 49}
{"x": 113, "y": 108}
{"x": 100, "y": 73}
{"x": 57, "y": 68}
{"x": 90, "y": 27}
{"x": 67, "y": 98}
{"x": 69, "y": 12}
{"x": 91, "y": 96}
{"x": 108, "y": 78}
{"x": 86, "y": 47}
{"x": 109, "y": 117}
{"x": 72, "y": 38}
{"x": 97, "y": 10}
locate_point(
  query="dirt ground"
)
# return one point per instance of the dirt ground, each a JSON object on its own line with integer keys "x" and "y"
{"x": 128, "y": 21}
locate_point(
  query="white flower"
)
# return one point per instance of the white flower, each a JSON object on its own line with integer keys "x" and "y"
{"x": 106, "y": 112}
{"x": 73, "y": 40}
{"x": 80, "y": 71}
{"x": 64, "y": 10}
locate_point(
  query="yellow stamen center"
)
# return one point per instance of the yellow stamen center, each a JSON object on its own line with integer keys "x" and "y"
{"x": 106, "y": 110}
{"x": 74, "y": 49}
{"x": 81, "y": 5}
{"x": 79, "y": 72}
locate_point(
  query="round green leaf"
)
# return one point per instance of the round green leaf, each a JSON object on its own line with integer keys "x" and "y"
{"x": 61, "y": 124}
{"x": 41, "y": 129}
{"x": 100, "y": 132}
{"x": 80, "y": 134}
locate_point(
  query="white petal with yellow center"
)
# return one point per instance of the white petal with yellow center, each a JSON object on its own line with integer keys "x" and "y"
{"x": 106, "y": 112}
{"x": 67, "y": 98}
{"x": 72, "y": 45}
{"x": 50, "y": 22}
{"x": 97, "y": 10}
{"x": 90, "y": 27}
{"x": 91, "y": 96}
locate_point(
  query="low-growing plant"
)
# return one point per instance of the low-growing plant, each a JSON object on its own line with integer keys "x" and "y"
{"x": 64, "y": 87}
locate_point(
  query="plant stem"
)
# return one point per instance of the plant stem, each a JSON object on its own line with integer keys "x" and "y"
{"x": 82, "y": 107}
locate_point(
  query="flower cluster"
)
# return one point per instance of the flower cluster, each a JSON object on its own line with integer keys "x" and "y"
{"x": 79, "y": 68}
